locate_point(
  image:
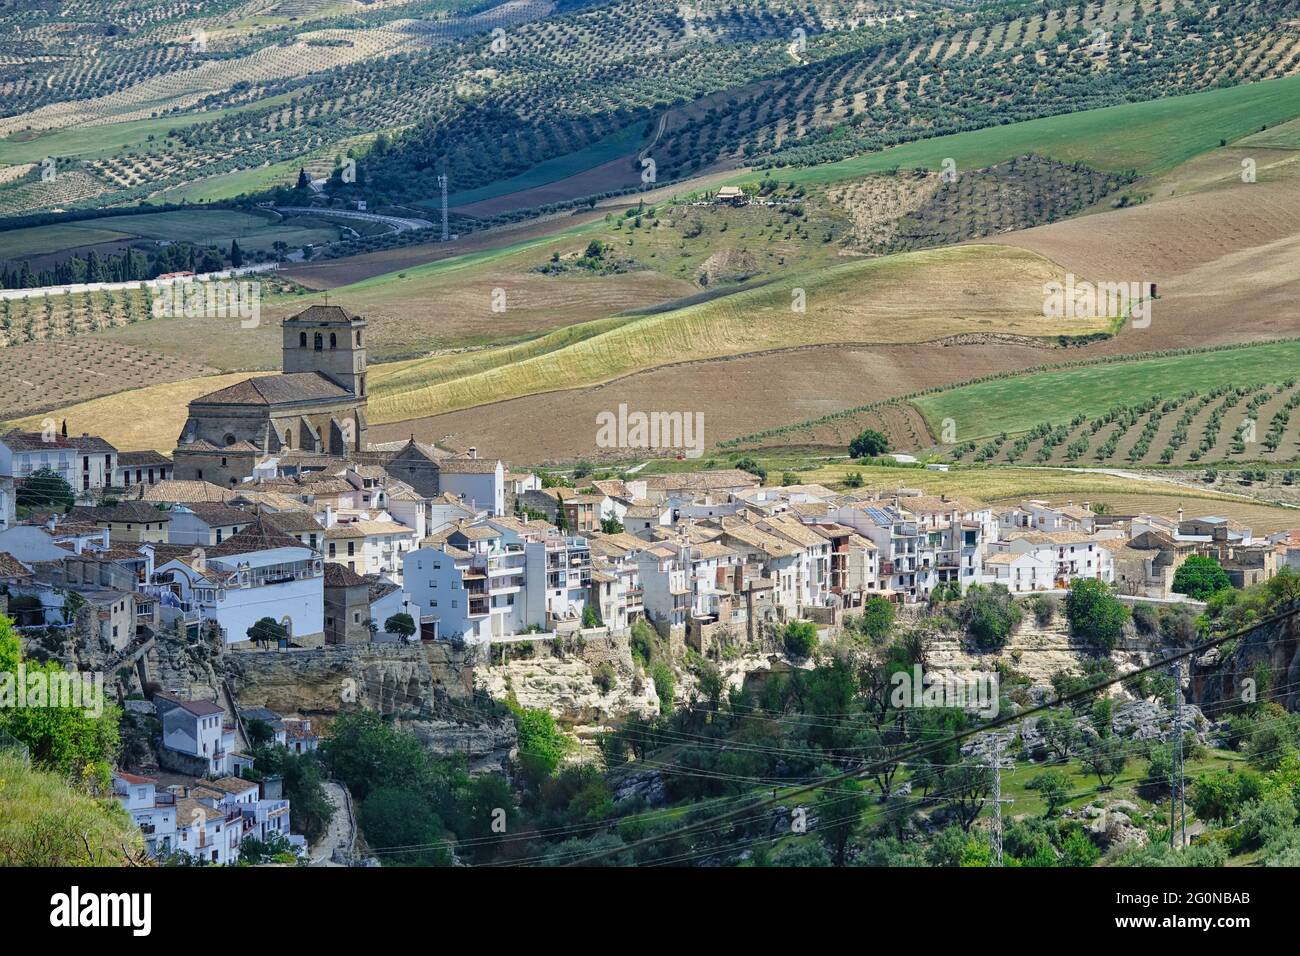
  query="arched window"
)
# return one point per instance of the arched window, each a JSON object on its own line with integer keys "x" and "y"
{"x": 318, "y": 343}
{"x": 334, "y": 341}
{"x": 358, "y": 336}
{"x": 302, "y": 340}
{"x": 363, "y": 386}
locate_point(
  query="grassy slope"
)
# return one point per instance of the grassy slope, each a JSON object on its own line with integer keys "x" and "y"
{"x": 145, "y": 418}
{"x": 1017, "y": 404}
{"x": 44, "y": 822}
{"x": 1150, "y": 137}
{"x": 95, "y": 141}
{"x": 877, "y": 300}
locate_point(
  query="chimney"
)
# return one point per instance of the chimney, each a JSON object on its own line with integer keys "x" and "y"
{"x": 473, "y": 452}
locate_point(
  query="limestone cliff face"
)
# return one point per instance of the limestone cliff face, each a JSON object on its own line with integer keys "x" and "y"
{"x": 567, "y": 686}
{"x": 388, "y": 678}
{"x": 1037, "y": 651}
{"x": 1265, "y": 663}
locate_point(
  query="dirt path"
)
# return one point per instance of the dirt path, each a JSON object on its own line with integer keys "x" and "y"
{"x": 341, "y": 832}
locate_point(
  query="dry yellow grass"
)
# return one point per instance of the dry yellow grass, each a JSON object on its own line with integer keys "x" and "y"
{"x": 916, "y": 297}
{"x": 145, "y": 418}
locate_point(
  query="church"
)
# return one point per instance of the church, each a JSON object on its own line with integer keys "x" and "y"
{"x": 316, "y": 405}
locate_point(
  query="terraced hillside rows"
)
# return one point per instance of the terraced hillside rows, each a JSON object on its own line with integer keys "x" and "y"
{"x": 1242, "y": 423}
{"x": 916, "y": 209}
{"x": 35, "y": 379}
{"x": 414, "y": 92}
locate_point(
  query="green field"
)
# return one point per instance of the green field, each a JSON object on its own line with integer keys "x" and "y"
{"x": 92, "y": 141}
{"x": 39, "y": 240}
{"x": 229, "y": 185}
{"x": 1020, "y": 402}
{"x": 204, "y": 227}
{"x": 602, "y": 151}
{"x": 1149, "y": 137}
{"x": 1282, "y": 136}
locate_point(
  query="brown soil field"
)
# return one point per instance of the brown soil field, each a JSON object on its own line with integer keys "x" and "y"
{"x": 1222, "y": 254}
{"x": 616, "y": 174}
{"x": 36, "y": 377}
{"x": 738, "y": 396}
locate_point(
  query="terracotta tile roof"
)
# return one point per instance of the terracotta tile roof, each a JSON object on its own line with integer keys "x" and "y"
{"x": 794, "y": 530}
{"x": 91, "y": 443}
{"x": 323, "y": 315}
{"x": 292, "y": 522}
{"x": 132, "y": 777}
{"x": 338, "y": 576}
{"x": 933, "y": 504}
{"x": 258, "y": 536}
{"x": 702, "y": 480}
{"x": 231, "y": 784}
{"x": 141, "y": 458}
{"x": 216, "y": 514}
{"x": 711, "y": 549}
{"x": 180, "y": 492}
{"x": 199, "y": 708}
{"x": 275, "y": 390}
{"x": 137, "y": 512}
{"x": 11, "y": 567}
{"x": 34, "y": 441}
{"x": 756, "y": 538}
{"x": 188, "y": 811}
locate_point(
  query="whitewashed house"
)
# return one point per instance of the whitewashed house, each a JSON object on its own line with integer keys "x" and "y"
{"x": 196, "y": 728}
{"x": 255, "y": 574}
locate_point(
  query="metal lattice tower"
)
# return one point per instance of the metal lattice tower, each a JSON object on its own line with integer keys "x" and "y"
{"x": 1177, "y": 800}
{"x": 997, "y": 801}
{"x": 442, "y": 185}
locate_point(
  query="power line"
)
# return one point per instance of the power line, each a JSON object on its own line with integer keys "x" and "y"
{"x": 965, "y": 734}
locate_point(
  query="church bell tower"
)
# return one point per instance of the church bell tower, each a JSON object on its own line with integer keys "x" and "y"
{"x": 329, "y": 340}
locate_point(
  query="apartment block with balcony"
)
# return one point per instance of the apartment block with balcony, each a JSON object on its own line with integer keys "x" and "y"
{"x": 449, "y": 595}
{"x": 258, "y": 573}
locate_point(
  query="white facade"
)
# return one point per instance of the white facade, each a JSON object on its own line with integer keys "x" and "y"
{"x": 437, "y": 588}
{"x": 236, "y": 591}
